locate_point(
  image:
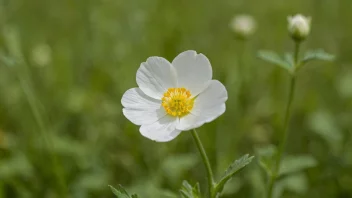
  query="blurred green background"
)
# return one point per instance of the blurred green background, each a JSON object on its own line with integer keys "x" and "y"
{"x": 66, "y": 63}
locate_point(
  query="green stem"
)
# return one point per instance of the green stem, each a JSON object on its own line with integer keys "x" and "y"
{"x": 296, "y": 53}
{"x": 206, "y": 162}
{"x": 282, "y": 146}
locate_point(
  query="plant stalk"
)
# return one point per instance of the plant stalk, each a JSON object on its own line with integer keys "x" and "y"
{"x": 203, "y": 154}
{"x": 282, "y": 146}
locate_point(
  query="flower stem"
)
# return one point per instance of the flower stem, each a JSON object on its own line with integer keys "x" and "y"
{"x": 282, "y": 146}
{"x": 206, "y": 163}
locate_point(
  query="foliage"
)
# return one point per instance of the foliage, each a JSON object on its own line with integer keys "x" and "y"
{"x": 187, "y": 191}
{"x": 75, "y": 59}
{"x": 236, "y": 166}
{"x": 120, "y": 192}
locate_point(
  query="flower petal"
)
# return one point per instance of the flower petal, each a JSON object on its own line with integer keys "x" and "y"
{"x": 163, "y": 130}
{"x": 209, "y": 105}
{"x": 140, "y": 108}
{"x": 140, "y": 117}
{"x": 193, "y": 70}
{"x": 155, "y": 76}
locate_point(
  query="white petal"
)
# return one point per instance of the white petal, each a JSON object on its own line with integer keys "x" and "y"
{"x": 209, "y": 105}
{"x": 192, "y": 121}
{"x": 193, "y": 70}
{"x": 140, "y": 108}
{"x": 140, "y": 117}
{"x": 135, "y": 98}
{"x": 155, "y": 76}
{"x": 163, "y": 130}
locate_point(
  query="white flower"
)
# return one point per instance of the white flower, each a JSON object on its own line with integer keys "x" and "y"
{"x": 243, "y": 25}
{"x": 299, "y": 26}
{"x": 174, "y": 97}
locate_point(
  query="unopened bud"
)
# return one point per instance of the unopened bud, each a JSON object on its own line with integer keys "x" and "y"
{"x": 243, "y": 25}
{"x": 299, "y": 27}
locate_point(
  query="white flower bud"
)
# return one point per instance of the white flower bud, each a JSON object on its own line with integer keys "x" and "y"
{"x": 243, "y": 26}
{"x": 299, "y": 27}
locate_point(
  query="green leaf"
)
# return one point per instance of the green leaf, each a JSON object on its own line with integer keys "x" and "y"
{"x": 292, "y": 164}
{"x": 236, "y": 166}
{"x": 274, "y": 58}
{"x": 319, "y": 54}
{"x": 239, "y": 164}
{"x": 120, "y": 192}
{"x": 187, "y": 191}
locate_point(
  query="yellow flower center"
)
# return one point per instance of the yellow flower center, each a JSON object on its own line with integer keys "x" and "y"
{"x": 177, "y": 101}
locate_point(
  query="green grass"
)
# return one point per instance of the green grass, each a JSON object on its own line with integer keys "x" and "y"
{"x": 62, "y": 132}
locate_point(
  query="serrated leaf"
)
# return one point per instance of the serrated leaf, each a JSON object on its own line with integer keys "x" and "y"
{"x": 291, "y": 164}
{"x": 120, "y": 192}
{"x": 274, "y": 58}
{"x": 239, "y": 164}
{"x": 317, "y": 55}
{"x": 187, "y": 191}
{"x": 236, "y": 166}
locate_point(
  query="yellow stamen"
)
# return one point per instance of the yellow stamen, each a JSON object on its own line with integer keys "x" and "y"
{"x": 177, "y": 101}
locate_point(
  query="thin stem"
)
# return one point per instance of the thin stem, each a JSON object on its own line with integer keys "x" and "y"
{"x": 206, "y": 163}
{"x": 282, "y": 146}
{"x": 296, "y": 53}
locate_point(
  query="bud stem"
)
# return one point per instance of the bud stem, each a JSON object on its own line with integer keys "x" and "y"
{"x": 296, "y": 53}
{"x": 282, "y": 146}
